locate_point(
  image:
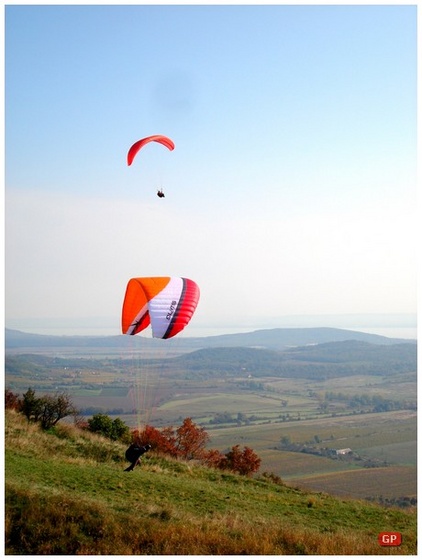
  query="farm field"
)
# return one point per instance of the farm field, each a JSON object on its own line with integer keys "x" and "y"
{"x": 389, "y": 438}
{"x": 295, "y": 408}
{"x": 386, "y": 482}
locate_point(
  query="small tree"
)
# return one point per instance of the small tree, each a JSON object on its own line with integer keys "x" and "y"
{"x": 54, "y": 408}
{"x": 191, "y": 440}
{"x": 244, "y": 462}
{"x": 120, "y": 431}
{"x": 31, "y": 405}
{"x": 48, "y": 409}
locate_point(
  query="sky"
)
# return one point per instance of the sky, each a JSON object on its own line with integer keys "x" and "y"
{"x": 291, "y": 191}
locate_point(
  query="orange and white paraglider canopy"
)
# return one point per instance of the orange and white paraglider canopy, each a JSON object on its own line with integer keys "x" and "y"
{"x": 167, "y": 303}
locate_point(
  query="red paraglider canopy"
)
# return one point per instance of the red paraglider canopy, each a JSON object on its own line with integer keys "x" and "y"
{"x": 133, "y": 150}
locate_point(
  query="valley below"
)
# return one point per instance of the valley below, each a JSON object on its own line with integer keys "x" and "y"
{"x": 329, "y": 410}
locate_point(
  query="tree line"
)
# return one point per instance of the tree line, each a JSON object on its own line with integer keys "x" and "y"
{"x": 187, "y": 442}
{"x": 374, "y": 403}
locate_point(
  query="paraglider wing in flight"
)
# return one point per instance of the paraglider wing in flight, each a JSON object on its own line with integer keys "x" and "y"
{"x": 134, "y": 149}
{"x": 166, "y": 303}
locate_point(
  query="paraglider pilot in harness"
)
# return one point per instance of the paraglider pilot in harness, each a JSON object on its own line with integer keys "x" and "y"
{"x": 134, "y": 453}
{"x": 160, "y": 193}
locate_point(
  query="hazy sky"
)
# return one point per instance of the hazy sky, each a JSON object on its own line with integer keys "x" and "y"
{"x": 292, "y": 187}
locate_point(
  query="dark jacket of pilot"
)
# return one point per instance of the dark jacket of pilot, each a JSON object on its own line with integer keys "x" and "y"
{"x": 133, "y": 454}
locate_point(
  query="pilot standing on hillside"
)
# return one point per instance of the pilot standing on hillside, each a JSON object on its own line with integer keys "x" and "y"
{"x": 133, "y": 454}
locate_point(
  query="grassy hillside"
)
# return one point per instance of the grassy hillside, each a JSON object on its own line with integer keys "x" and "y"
{"x": 66, "y": 493}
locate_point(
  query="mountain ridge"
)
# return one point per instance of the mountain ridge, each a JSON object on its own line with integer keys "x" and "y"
{"x": 275, "y": 339}
{"x": 324, "y": 360}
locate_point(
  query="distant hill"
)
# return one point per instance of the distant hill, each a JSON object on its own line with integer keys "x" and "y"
{"x": 272, "y": 339}
{"x": 313, "y": 353}
{"x": 283, "y": 338}
{"x": 321, "y": 361}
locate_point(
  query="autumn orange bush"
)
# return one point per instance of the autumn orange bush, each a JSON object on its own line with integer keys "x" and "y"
{"x": 188, "y": 442}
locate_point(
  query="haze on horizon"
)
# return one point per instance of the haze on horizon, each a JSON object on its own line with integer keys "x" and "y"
{"x": 292, "y": 188}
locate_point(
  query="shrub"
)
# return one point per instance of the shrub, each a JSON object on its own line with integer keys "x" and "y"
{"x": 12, "y": 400}
{"x": 120, "y": 431}
{"x": 272, "y": 478}
{"x": 161, "y": 441}
{"x": 112, "y": 429}
{"x": 244, "y": 462}
{"x": 101, "y": 424}
{"x": 188, "y": 442}
{"x": 213, "y": 458}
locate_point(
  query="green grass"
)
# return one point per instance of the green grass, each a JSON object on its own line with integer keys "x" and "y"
{"x": 66, "y": 493}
